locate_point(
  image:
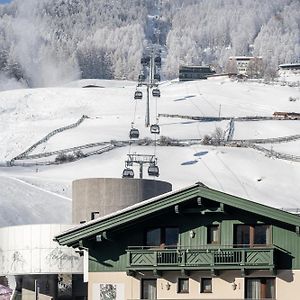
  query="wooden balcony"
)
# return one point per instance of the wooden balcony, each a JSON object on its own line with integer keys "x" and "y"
{"x": 221, "y": 258}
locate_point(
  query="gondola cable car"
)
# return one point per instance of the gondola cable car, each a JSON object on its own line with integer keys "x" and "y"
{"x": 128, "y": 173}
{"x": 145, "y": 61}
{"x": 134, "y": 133}
{"x": 153, "y": 170}
{"x": 156, "y": 77}
{"x": 156, "y": 93}
{"x": 155, "y": 129}
{"x": 157, "y": 61}
{"x": 138, "y": 95}
{"x": 141, "y": 77}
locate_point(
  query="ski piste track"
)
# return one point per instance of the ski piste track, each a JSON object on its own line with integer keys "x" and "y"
{"x": 25, "y": 159}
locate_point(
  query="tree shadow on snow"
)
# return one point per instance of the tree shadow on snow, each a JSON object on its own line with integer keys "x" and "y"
{"x": 184, "y": 98}
{"x": 201, "y": 153}
{"x": 191, "y": 162}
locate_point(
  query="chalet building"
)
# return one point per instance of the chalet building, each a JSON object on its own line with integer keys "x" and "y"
{"x": 190, "y": 73}
{"x": 193, "y": 243}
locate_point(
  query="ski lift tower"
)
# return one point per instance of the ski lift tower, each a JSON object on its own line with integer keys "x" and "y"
{"x": 141, "y": 160}
{"x": 151, "y": 80}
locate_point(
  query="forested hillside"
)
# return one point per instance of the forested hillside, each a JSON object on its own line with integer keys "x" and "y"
{"x": 48, "y": 42}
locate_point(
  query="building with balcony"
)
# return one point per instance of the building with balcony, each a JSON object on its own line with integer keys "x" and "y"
{"x": 193, "y": 243}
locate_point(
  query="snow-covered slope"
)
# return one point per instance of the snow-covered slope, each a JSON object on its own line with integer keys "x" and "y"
{"x": 28, "y": 115}
{"x": 22, "y": 203}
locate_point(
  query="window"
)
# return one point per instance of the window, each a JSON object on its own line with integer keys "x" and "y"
{"x": 149, "y": 289}
{"x": 153, "y": 237}
{"x": 165, "y": 236}
{"x": 213, "y": 234}
{"x": 183, "y": 285}
{"x": 252, "y": 235}
{"x": 261, "y": 235}
{"x": 260, "y": 288}
{"x": 206, "y": 285}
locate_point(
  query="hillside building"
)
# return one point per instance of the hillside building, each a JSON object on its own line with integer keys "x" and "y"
{"x": 38, "y": 265}
{"x": 190, "y": 73}
{"x": 245, "y": 65}
{"x": 193, "y": 243}
{"x": 288, "y": 69}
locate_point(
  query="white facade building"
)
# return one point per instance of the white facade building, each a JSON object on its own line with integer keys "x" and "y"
{"x": 37, "y": 263}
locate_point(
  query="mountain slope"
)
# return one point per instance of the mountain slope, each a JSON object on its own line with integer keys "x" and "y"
{"x": 21, "y": 203}
{"x": 28, "y": 115}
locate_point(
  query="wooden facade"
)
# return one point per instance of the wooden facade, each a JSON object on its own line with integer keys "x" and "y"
{"x": 193, "y": 230}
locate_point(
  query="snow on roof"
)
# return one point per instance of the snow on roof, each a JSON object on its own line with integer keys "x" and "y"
{"x": 244, "y": 57}
{"x": 129, "y": 208}
{"x": 290, "y": 65}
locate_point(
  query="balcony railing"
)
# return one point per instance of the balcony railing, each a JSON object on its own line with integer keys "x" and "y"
{"x": 213, "y": 299}
{"x": 209, "y": 258}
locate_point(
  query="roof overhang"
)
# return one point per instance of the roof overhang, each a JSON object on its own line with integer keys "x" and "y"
{"x": 74, "y": 236}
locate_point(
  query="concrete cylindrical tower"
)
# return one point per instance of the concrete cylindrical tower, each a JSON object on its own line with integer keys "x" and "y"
{"x": 107, "y": 195}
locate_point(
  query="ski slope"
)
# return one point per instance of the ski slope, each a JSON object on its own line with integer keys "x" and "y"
{"x": 26, "y": 116}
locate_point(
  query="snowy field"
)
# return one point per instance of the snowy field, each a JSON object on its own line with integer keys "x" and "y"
{"x": 26, "y": 116}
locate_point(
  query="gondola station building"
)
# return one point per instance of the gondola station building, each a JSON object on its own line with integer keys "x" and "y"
{"x": 193, "y": 243}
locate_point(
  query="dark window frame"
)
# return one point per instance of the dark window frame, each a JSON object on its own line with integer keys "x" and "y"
{"x": 162, "y": 236}
{"x": 202, "y": 290}
{"x": 142, "y": 286}
{"x": 263, "y": 286}
{"x": 178, "y": 285}
{"x": 252, "y": 237}
{"x": 209, "y": 237}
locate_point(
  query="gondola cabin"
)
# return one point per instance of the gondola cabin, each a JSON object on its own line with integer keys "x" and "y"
{"x": 141, "y": 77}
{"x": 138, "y": 95}
{"x": 155, "y": 129}
{"x": 156, "y": 77}
{"x": 134, "y": 133}
{"x": 153, "y": 170}
{"x": 157, "y": 61}
{"x": 128, "y": 173}
{"x": 145, "y": 61}
{"x": 156, "y": 93}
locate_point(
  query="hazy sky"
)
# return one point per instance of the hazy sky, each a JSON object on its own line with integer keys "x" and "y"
{"x": 5, "y": 1}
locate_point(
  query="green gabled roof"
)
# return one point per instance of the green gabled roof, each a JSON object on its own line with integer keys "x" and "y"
{"x": 142, "y": 209}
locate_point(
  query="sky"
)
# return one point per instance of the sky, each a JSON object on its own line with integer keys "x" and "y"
{"x": 5, "y": 1}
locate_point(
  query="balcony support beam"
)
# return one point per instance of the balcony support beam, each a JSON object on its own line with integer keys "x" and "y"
{"x": 184, "y": 272}
{"x": 157, "y": 273}
{"x": 243, "y": 272}
{"x": 273, "y": 271}
{"x": 131, "y": 273}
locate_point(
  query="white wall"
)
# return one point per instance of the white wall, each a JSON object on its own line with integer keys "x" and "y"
{"x": 30, "y": 249}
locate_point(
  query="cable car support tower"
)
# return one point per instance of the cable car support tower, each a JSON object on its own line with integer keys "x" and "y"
{"x": 151, "y": 62}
